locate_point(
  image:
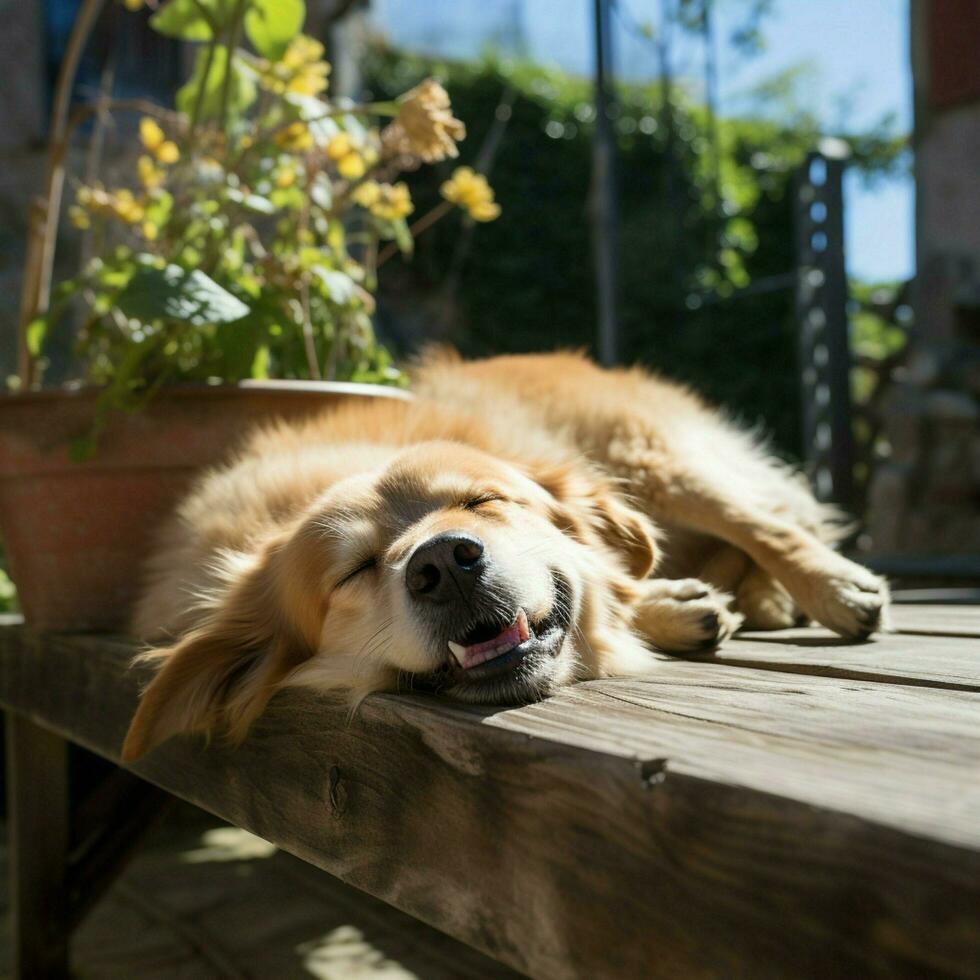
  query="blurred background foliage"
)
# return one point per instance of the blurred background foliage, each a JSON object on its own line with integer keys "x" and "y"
{"x": 706, "y": 233}
{"x": 706, "y": 258}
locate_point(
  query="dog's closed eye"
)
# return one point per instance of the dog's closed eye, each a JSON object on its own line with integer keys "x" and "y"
{"x": 366, "y": 565}
{"x": 484, "y": 498}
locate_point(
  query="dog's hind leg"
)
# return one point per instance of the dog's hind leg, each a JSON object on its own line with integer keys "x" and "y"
{"x": 684, "y": 615}
{"x": 762, "y": 601}
{"x": 765, "y": 604}
{"x": 828, "y": 587}
{"x": 725, "y": 567}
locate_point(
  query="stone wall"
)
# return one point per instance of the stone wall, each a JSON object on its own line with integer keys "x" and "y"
{"x": 925, "y": 497}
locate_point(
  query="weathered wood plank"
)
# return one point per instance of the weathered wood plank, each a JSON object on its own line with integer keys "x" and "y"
{"x": 948, "y": 620}
{"x": 896, "y": 658}
{"x": 709, "y": 820}
{"x": 37, "y": 811}
{"x": 106, "y": 827}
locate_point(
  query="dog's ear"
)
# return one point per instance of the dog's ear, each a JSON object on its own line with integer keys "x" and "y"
{"x": 627, "y": 531}
{"x": 587, "y": 499}
{"x": 220, "y": 676}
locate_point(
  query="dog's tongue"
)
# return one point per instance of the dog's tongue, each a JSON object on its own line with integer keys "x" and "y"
{"x": 504, "y": 642}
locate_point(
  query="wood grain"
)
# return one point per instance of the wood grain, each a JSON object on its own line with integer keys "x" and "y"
{"x": 896, "y": 658}
{"x": 708, "y": 820}
{"x": 934, "y": 620}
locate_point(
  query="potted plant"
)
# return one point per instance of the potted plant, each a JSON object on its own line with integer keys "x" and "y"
{"x": 242, "y": 246}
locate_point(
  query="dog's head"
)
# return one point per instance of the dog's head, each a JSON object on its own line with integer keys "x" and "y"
{"x": 446, "y": 569}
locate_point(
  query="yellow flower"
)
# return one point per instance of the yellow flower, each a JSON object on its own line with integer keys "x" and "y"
{"x": 351, "y": 162}
{"x": 300, "y": 69}
{"x": 155, "y": 141}
{"x": 168, "y": 152}
{"x": 302, "y": 50}
{"x": 471, "y": 192}
{"x": 295, "y": 137}
{"x": 351, "y": 166}
{"x": 79, "y": 217}
{"x": 338, "y": 146}
{"x": 121, "y": 204}
{"x": 150, "y": 231}
{"x": 150, "y": 133}
{"x": 366, "y": 194}
{"x": 425, "y": 124}
{"x": 386, "y": 201}
{"x": 284, "y": 177}
{"x": 312, "y": 80}
{"x": 150, "y": 175}
{"x": 127, "y": 207}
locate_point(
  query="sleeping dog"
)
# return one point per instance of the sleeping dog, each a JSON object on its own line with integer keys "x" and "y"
{"x": 524, "y": 523}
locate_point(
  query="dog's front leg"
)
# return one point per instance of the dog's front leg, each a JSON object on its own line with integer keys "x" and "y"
{"x": 827, "y": 586}
{"x": 684, "y": 615}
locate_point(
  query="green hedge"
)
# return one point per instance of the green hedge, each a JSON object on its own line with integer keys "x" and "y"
{"x": 528, "y": 283}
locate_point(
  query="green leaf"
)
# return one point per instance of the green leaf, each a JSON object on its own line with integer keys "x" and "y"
{"x": 36, "y": 331}
{"x": 8, "y": 594}
{"x": 260, "y": 363}
{"x": 39, "y": 328}
{"x": 183, "y": 19}
{"x": 403, "y": 237}
{"x": 253, "y": 202}
{"x": 159, "y": 207}
{"x": 272, "y": 24}
{"x": 339, "y": 286}
{"x": 241, "y": 91}
{"x": 173, "y": 293}
{"x": 321, "y": 191}
{"x": 288, "y": 198}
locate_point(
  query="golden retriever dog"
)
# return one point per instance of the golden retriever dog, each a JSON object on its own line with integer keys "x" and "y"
{"x": 526, "y": 522}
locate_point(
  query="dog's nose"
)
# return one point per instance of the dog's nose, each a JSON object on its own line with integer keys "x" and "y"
{"x": 446, "y": 567}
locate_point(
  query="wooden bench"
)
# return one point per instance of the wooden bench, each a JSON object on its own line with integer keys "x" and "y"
{"x": 794, "y": 806}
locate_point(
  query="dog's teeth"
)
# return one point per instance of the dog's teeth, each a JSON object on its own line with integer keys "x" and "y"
{"x": 522, "y": 627}
{"x": 458, "y": 651}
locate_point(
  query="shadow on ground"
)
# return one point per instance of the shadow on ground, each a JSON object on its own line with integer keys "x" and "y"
{"x": 202, "y": 900}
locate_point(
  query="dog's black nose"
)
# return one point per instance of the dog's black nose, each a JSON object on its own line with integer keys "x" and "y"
{"x": 446, "y": 567}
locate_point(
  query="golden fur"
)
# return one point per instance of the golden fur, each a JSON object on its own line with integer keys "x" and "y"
{"x": 579, "y": 483}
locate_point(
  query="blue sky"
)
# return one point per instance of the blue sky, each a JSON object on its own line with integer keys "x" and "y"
{"x": 855, "y": 52}
{"x": 859, "y": 53}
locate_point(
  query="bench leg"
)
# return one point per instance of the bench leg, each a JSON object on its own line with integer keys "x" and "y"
{"x": 38, "y": 822}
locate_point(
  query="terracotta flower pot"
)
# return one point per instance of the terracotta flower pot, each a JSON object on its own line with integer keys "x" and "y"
{"x": 76, "y": 533}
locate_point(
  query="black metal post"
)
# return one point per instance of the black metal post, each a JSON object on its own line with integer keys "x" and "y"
{"x": 604, "y": 218}
{"x": 824, "y": 346}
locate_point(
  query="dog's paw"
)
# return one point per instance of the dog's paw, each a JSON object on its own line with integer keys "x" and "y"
{"x": 685, "y": 616}
{"x": 851, "y": 601}
{"x": 765, "y": 604}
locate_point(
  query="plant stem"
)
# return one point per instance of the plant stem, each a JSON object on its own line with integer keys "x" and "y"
{"x": 93, "y": 159}
{"x": 43, "y": 231}
{"x": 330, "y": 368}
{"x": 143, "y": 106}
{"x": 207, "y": 17}
{"x": 369, "y": 109}
{"x": 427, "y": 219}
{"x": 199, "y": 98}
{"x": 234, "y": 32}
{"x": 308, "y": 340}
